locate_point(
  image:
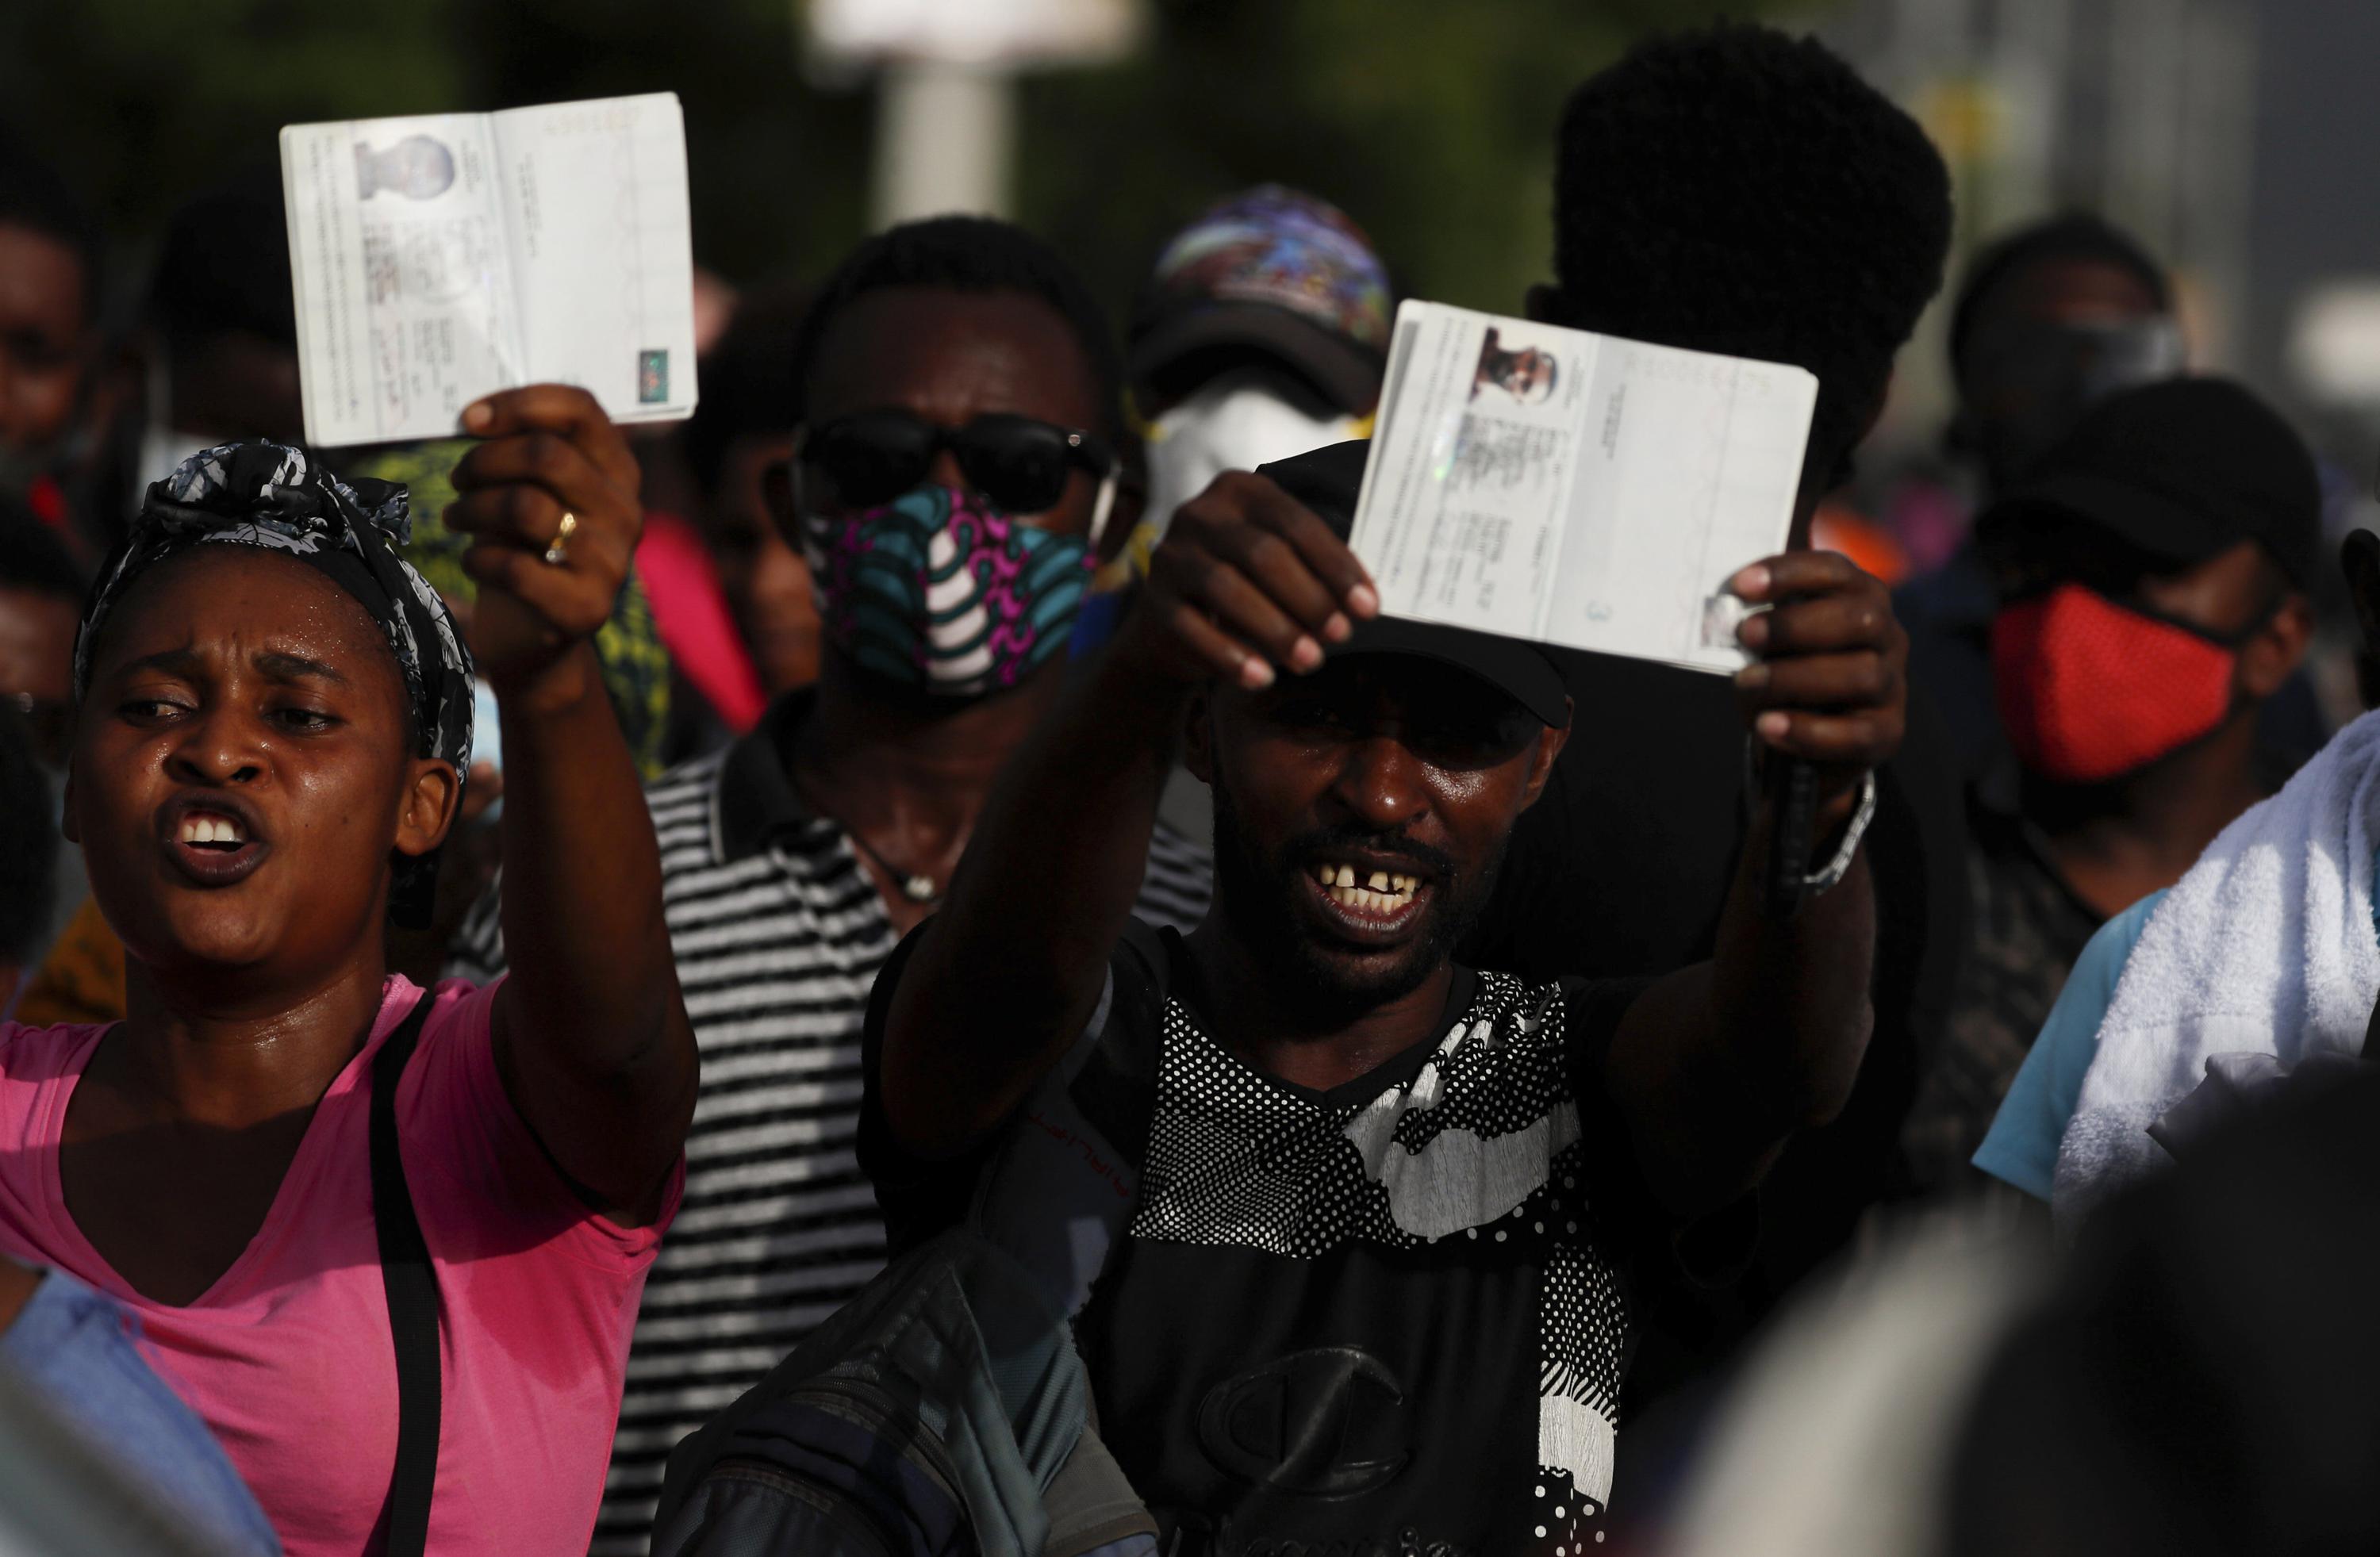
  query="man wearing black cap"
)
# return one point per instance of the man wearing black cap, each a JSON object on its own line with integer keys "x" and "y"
{"x": 2152, "y": 575}
{"x": 1347, "y": 1229}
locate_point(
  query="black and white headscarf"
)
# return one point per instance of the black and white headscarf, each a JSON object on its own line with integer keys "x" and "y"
{"x": 278, "y": 499}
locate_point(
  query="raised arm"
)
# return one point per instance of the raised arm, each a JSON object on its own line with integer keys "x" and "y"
{"x": 1717, "y": 1064}
{"x": 1011, "y": 970}
{"x": 592, "y": 1037}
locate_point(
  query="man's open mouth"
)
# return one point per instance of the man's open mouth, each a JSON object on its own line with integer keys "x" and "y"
{"x": 1367, "y": 902}
{"x": 1379, "y": 892}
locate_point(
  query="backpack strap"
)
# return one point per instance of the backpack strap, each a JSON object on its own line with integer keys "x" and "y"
{"x": 1116, "y": 1088}
{"x": 412, "y": 1290}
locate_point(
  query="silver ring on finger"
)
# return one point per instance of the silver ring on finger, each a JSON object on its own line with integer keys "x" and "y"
{"x": 557, "y": 551}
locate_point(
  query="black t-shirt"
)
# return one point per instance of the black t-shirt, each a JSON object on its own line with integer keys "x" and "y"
{"x": 1389, "y": 1317}
{"x": 1622, "y": 865}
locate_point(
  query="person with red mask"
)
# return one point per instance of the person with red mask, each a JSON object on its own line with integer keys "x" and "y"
{"x": 2152, "y": 574}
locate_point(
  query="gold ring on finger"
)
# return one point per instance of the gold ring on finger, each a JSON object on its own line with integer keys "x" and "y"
{"x": 558, "y": 549}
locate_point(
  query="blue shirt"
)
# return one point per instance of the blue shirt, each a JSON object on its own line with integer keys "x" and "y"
{"x": 2022, "y": 1146}
{"x": 73, "y": 1349}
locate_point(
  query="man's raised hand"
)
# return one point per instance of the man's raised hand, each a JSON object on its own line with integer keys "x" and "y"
{"x": 1829, "y": 680}
{"x": 1248, "y": 581}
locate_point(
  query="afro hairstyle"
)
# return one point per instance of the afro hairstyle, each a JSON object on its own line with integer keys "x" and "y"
{"x": 1735, "y": 190}
{"x": 966, "y": 254}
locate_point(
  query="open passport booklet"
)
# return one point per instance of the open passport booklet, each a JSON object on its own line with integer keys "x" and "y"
{"x": 1575, "y": 488}
{"x": 441, "y": 258}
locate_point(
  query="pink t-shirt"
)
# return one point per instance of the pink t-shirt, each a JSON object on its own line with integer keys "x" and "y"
{"x": 287, "y": 1356}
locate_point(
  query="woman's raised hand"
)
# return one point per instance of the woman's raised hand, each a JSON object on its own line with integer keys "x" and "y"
{"x": 550, "y": 500}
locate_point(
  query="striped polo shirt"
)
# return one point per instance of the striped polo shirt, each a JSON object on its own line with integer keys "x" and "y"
{"x": 778, "y": 933}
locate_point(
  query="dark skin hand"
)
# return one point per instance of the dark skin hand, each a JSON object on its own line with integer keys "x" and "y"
{"x": 233, "y": 681}
{"x": 592, "y": 1036}
{"x": 1715, "y": 1065}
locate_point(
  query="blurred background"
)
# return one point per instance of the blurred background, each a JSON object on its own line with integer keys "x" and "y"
{"x": 2232, "y": 136}
{"x": 1430, "y": 124}
{"x": 2229, "y": 134}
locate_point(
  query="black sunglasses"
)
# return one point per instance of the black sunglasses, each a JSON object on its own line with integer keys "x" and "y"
{"x": 1016, "y": 462}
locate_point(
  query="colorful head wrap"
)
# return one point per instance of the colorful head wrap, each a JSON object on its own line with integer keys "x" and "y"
{"x": 277, "y": 499}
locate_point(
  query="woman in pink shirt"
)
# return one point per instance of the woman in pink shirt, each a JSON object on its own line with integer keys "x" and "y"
{"x": 272, "y": 735}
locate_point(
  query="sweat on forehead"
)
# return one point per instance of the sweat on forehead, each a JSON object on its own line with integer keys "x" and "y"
{"x": 273, "y": 603}
{"x": 280, "y": 504}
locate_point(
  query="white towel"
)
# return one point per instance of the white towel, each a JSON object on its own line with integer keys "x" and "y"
{"x": 2264, "y": 948}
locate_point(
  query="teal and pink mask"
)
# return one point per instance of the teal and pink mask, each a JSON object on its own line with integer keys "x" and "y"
{"x": 940, "y": 591}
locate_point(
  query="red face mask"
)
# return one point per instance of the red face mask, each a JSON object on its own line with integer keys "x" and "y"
{"x": 2089, "y": 690}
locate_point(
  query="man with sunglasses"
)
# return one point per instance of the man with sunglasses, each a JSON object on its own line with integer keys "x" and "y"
{"x": 2152, "y": 576}
{"x": 955, "y": 473}
{"x": 942, "y": 587}
{"x": 1348, "y": 1228}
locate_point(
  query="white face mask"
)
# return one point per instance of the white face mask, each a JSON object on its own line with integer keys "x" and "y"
{"x": 1238, "y": 422}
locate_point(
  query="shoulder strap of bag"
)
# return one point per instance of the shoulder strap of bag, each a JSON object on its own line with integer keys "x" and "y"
{"x": 412, "y": 1301}
{"x": 1116, "y": 1089}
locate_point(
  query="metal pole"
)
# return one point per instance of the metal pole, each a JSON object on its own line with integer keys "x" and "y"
{"x": 2216, "y": 148}
{"x": 2030, "y": 59}
{"x": 945, "y": 136}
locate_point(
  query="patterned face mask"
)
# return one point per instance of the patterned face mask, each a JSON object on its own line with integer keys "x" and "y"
{"x": 939, "y": 591}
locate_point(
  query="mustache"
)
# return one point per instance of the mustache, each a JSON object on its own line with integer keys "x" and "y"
{"x": 1430, "y": 861}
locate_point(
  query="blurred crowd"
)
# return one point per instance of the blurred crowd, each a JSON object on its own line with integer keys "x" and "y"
{"x": 909, "y": 965}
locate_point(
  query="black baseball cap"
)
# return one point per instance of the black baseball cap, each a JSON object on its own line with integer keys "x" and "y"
{"x": 1328, "y": 481}
{"x": 2179, "y": 470}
